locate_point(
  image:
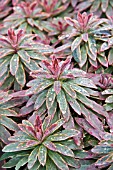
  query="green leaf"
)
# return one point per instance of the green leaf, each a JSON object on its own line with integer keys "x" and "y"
{"x": 102, "y": 161}
{"x": 69, "y": 90}
{"x": 79, "y": 89}
{"x": 4, "y": 77}
{"x": 50, "y": 97}
{"x": 70, "y": 143}
{"x": 44, "y": 85}
{"x": 14, "y": 63}
{"x": 108, "y": 106}
{"x": 53, "y": 109}
{"x": 24, "y": 55}
{"x": 33, "y": 158}
{"x": 40, "y": 99}
{"x": 5, "y": 52}
{"x": 64, "y": 150}
{"x": 7, "y": 155}
{"x": 77, "y": 54}
{"x": 110, "y": 57}
{"x": 84, "y": 82}
{"x": 12, "y": 162}
{"x": 20, "y": 75}
{"x": 4, "y": 134}
{"x": 58, "y": 160}
{"x": 22, "y": 162}
{"x": 72, "y": 162}
{"x": 32, "y": 66}
{"x": 85, "y": 100}
{"x": 21, "y": 137}
{"x": 61, "y": 99}
{"x": 102, "y": 149}
{"x": 90, "y": 55}
{"x": 92, "y": 46}
{"x": 76, "y": 43}
{"x": 42, "y": 155}
{"x": 7, "y": 112}
{"x": 103, "y": 60}
{"x": 9, "y": 123}
{"x": 83, "y": 56}
{"x": 37, "y": 56}
{"x": 109, "y": 99}
{"x": 13, "y": 147}
{"x": 107, "y": 91}
{"x": 8, "y": 83}
{"x": 4, "y": 66}
{"x": 50, "y": 165}
{"x": 63, "y": 135}
{"x": 74, "y": 104}
{"x": 36, "y": 166}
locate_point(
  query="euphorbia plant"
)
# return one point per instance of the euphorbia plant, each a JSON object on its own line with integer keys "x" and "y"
{"x": 18, "y": 53}
{"x": 28, "y": 15}
{"x": 58, "y": 83}
{"x": 83, "y": 39}
{"x": 53, "y": 8}
{"x": 4, "y": 8}
{"x": 55, "y": 27}
{"x": 9, "y": 108}
{"x": 41, "y": 145}
{"x": 97, "y": 7}
{"x": 104, "y": 150}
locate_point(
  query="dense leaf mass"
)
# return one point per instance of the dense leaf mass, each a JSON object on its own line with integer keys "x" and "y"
{"x": 56, "y": 84}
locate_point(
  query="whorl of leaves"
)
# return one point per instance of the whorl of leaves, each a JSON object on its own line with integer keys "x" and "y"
{"x": 40, "y": 145}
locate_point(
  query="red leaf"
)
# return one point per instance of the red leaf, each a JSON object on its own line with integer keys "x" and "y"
{"x": 57, "y": 86}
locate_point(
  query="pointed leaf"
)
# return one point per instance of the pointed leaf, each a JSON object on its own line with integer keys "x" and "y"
{"x": 76, "y": 43}
{"x": 42, "y": 155}
{"x": 63, "y": 135}
{"x": 50, "y": 165}
{"x": 69, "y": 90}
{"x": 61, "y": 99}
{"x": 12, "y": 162}
{"x": 85, "y": 82}
{"x": 72, "y": 162}
{"x": 79, "y": 89}
{"x": 14, "y": 64}
{"x": 50, "y": 97}
{"x": 24, "y": 55}
{"x": 40, "y": 100}
{"x": 9, "y": 123}
{"x": 74, "y": 104}
{"x": 58, "y": 160}
{"x": 83, "y": 56}
{"x": 92, "y": 46}
{"x": 22, "y": 162}
{"x": 20, "y": 75}
{"x": 4, "y": 134}
{"x": 110, "y": 57}
{"x": 33, "y": 157}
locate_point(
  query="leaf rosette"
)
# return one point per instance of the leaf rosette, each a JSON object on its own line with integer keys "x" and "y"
{"x": 19, "y": 54}
{"x": 58, "y": 85}
{"x": 41, "y": 145}
{"x": 87, "y": 29}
